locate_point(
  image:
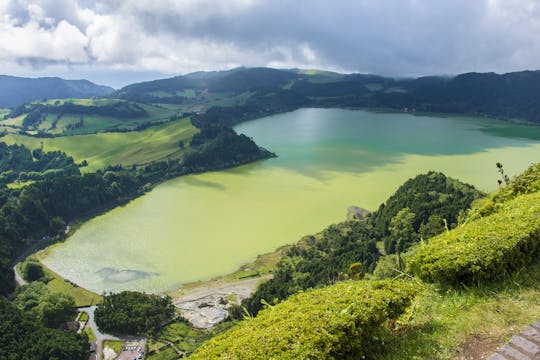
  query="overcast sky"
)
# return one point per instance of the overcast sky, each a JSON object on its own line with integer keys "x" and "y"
{"x": 117, "y": 42}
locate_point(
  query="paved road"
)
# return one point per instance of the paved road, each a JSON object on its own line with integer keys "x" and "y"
{"x": 100, "y": 337}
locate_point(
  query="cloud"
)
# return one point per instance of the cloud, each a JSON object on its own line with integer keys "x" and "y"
{"x": 389, "y": 37}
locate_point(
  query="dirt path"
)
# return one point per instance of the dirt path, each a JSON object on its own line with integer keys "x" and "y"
{"x": 206, "y": 305}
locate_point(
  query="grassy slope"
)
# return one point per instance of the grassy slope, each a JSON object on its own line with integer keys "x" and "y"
{"x": 103, "y": 149}
{"x": 444, "y": 325}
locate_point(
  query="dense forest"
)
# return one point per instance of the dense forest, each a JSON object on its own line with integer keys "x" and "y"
{"x": 133, "y": 313}
{"x": 422, "y": 207}
{"x": 24, "y": 337}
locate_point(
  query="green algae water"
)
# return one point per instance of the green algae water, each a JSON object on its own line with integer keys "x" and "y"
{"x": 200, "y": 226}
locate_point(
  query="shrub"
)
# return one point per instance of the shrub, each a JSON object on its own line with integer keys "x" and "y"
{"x": 387, "y": 267}
{"x": 32, "y": 270}
{"x": 337, "y": 321}
{"x": 484, "y": 249}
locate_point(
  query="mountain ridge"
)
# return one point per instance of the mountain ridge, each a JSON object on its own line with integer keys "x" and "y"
{"x": 16, "y": 90}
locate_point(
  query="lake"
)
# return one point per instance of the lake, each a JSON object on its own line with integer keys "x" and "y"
{"x": 200, "y": 226}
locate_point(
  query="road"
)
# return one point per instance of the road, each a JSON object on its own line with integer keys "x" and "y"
{"x": 24, "y": 255}
{"x": 100, "y": 337}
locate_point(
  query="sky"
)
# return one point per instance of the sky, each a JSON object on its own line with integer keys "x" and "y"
{"x": 117, "y": 42}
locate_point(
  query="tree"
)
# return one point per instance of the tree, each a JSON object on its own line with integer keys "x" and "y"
{"x": 32, "y": 270}
{"x": 402, "y": 232}
{"x": 22, "y": 337}
{"x": 52, "y": 309}
{"x": 55, "y": 309}
{"x": 133, "y": 313}
{"x": 434, "y": 226}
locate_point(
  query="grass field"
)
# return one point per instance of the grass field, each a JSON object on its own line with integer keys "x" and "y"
{"x": 103, "y": 149}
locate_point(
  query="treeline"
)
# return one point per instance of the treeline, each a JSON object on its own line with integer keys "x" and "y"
{"x": 19, "y": 163}
{"x": 426, "y": 204}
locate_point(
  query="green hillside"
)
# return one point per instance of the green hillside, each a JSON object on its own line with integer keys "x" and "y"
{"x": 481, "y": 288}
{"x": 124, "y": 148}
{"x": 61, "y": 117}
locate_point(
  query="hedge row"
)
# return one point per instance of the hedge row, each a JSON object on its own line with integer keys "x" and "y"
{"x": 484, "y": 249}
{"x": 338, "y": 321}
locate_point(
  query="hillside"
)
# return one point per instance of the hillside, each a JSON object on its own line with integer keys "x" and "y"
{"x": 15, "y": 91}
{"x": 259, "y": 91}
{"x": 469, "y": 289}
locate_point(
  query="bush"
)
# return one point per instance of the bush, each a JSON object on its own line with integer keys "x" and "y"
{"x": 526, "y": 183}
{"x": 337, "y": 321}
{"x": 32, "y": 270}
{"x": 387, "y": 267}
{"x": 485, "y": 249}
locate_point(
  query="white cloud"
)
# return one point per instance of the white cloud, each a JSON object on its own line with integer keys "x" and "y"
{"x": 390, "y": 37}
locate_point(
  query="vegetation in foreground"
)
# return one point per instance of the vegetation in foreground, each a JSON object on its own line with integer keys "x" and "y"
{"x": 444, "y": 317}
{"x": 338, "y": 321}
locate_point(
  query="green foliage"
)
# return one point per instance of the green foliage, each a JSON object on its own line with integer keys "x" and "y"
{"x": 427, "y": 195}
{"x": 221, "y": 147}
{"x": 28, "y": 297}
{"x": 133, "y": 313}
{"x": 402, "y": 233}
{"x": 387, "y": 267}
{"x": 22, "y": 337}
{"x": 318, "y": 263}
{"x": 527, "y": 182}
{"x": 32, "y": 270}
{"x": 18, "y": 163}
{"x": 51, "y": 308}
{"x": 338, "y": 321}
{"x": 484, "y": 249}
{"x": 434, "y": 226}
{"x": 55, "y": 309}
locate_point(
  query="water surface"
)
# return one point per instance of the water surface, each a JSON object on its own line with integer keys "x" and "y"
{"x": 199, "y": 226}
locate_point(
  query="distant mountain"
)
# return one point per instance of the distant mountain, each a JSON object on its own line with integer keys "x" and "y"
{"x": 507, "y": 96}
{"x": 15, "y": 91}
